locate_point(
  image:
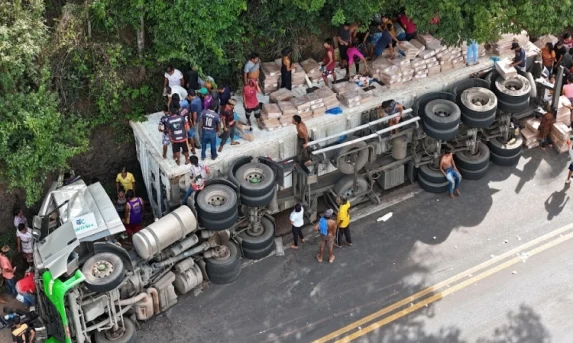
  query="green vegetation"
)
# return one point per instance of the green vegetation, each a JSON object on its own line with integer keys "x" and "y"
{"x": 69, "y": 67}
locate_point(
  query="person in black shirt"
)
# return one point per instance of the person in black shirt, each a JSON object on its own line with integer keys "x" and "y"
{"x": 224, "y": 95}
{"x": 519, "y": 59}
{"x": 560, "y": 51}
{"x": 192, "y": 79}
{"x": 344, "y": 42}
{"x": 22, "y": 333}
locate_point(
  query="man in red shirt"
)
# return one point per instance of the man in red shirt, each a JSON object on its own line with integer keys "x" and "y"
{"x": 329, "y": 62}
{"x": 26, "y": 288}
{"x": 408, "y": 25}
{"x": 251, "y": 103}
{"x": 228, "y": 120}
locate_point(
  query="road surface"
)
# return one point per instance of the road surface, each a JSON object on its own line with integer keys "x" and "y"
{"x": 491, "y": 266}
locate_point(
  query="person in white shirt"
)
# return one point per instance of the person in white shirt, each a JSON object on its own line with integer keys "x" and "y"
{"x": 297, "y": 222}
{"x": 25, "y": 241}
{"x": 568, "y": 181}
{"x": 199, "y": 172}
{"x": 173, "y": 77}
{"x": 182, "y": 92}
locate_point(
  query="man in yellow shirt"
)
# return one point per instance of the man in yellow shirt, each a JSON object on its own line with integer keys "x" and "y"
{"x": 343, "y": 220}
{"x": 125, "y": 180}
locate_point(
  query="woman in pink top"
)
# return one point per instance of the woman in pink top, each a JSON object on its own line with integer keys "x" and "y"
{"x": 352, "y": 54}
{"x": 568, "y": 89}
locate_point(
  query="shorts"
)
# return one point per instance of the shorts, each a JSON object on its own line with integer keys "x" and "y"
{"x": 178, "y": 146}
{"x": 165, "y": 140}
{"x": 132, "y": 229}
{"x": 191, "y": 133}
{"x": 326, "y": 72}
{"x": 571, "y": 167}
{"x": 327, "y": 240}
{"x": 256, "y": 110}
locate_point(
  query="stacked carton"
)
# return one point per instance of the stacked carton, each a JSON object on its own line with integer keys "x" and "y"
{"x": 530, "y": 133}
{"x": 272, "y": 74}
{"x": 298, "y": 76}
{"x": 560, "y": 134}
{"x": 433, "y": 66}
{"x": 503, "y": 46}
{"x": 282, "y": 94}
{"x": 312, "y": 69}
{"x": 271, "y": 116}
{"x": 543, "y": 40}
{"x": 563, "y": 111}
{"x": 504, "y": 70}
{"x": 328, "y": 97}
{"x": 302, "y": 105}
{"x": 316, "y": 104}
{"x": 418, "y": 45}
{"x": 287, "y": 108}
{"x": 429, "y": 41}
{"x": 409, "y": 50}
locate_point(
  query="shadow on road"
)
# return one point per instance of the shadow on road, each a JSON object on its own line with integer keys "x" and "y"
{"x": 556, "y": 202}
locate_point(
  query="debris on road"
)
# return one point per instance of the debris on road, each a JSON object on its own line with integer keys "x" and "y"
{"x": 385, "y": 217}
{"x": 514, "y": 272}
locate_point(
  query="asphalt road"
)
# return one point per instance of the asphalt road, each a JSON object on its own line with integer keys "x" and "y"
{"x": 430, "y": 238}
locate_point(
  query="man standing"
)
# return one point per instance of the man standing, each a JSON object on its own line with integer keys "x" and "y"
{"x": 252, "y": 70}
{"x": 194, "y": 116}
{"x": 198, "y": 176}
{"x": 207, "y": 98}
{"x": 327, "y": 229}
{"x": 192, "y": 79}
{"x": 343, "y": 220}
{"x": 8, "y": 271}
{"x": 251, "y": 103}
{"x": 178, "y": 134}
{"x": 328, "y": 63}
{"x": 450, "y": 171}
{"x": 297, "y": 222}
{"x": 124, "y": 179}
{"x": 570, "y": 173}
{"x": 162, "y": 127}
{"x": 224, "y": 95}
{"x": 172, "y": 77}
{"x": 344, "y": 42}
{"x": 519, "y": 59}
{"x": 209, "y": 126}
{"x": 228, "y": 121}
{"x": 133, "y": 214}
{"x": 302, "y": 140}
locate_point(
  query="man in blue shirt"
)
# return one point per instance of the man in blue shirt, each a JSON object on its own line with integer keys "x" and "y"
{"x": 384, "y": 42}
{"x": 209, "y": 126}
{"x": 195, "y": 109}
{"x": 519, "y": 59}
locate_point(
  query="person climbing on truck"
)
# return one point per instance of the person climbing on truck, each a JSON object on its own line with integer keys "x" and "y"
{"x": 327, "y": 229}
{"x": 178, "y": 131}
{"x": 198, "y": 174}
{"x": 162, "y": 127}
{"x": 302, "y": 140}
{"x": 252, "y": 70}
{"x": 519, "y": 60}
{"x": 450, "y": 171}
{"x": 251, "y": 103}
{"x": 390, "y": 107}
{"x": 125, "y": 180}
{"x": 343, "y": 221}
{"x": 133, "y": 213}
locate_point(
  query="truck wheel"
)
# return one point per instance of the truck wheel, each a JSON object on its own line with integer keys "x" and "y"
{"x": 260, "y": 201}
{"x": 444, "y": 135}
{"x": 507, "y": 107}
{"x": 514, "y": 90}
{"x": 469, "y": 174}
{"x": 432, "y": 187}
{"x": 216, "y": 202}
{"x": 227, "y": 268}
{"x": 442, "y": 114}
{"x": 478, "y": 103}
{"x": 219, "y": 224}
{"x": 345, "y": 185}
{"x": 353, "y": 161}
{"x": 255, "y": 179}
{"x": 467, "y": 161}
{"x": 103, "y": 272}
{"x": 491, "y": 77}
{"x": 431, "y": 174}
{"x": 259, "y": 253}
{"x": 420, "y": 104}
{"x": 478, "y": 123}
{"x": 505, "y": 161}
{"x": 125, "y": 334}
{"x": 254, "y": 240}
{"x": 503, "y": 149}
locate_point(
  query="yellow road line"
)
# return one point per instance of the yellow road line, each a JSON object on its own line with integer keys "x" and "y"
{"x": 451, "y": 290}
{"x": 439, "y": 285}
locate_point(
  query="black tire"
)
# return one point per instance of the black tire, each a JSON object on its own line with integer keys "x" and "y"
{"x": 514, "y": 90}
{"x": 491, "y": 77}
{"x": 260, "y": 201}
{"x": 476, "y": 123}
{"x": 216, "y": 201}
{"x": 128, "y": 336}
{"x": 505, "y": 161}
{"x": 507, "y": 107}
{"x": 103, "y": 280}
{"x": 478, "y": 103}
{"x": 219, "y": 224}
{"x": 442, "y": 114}
{"x": 432, "y": 187}
{"x": 533, "y": 90}
{"x": 473, "y": 162}
{"x": 225, "y": 270}
{"x": 473, "y": 174}
{"x": 444, "y": 135}
{"x": 345, "y": 184}
{"x": 354, "y": 161}
{"x": 501, "y": 149}
{"x": 255, "y": 179}
{"x": 261, "y": 241}
{"x": 420, "y": 104}
{"x": 431, "y": 174}
{"x": 257, "y": 254}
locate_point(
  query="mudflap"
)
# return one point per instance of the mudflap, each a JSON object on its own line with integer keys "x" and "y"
{"x": 277, "y": 169}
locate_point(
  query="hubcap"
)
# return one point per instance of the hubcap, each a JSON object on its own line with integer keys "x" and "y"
{"x": 479, "y": 101}
{"x": 442, "y": 113}
{"x": 223, "y": 253}
{"x": 254, "y": 176}
{"x": 102, "y": 269}
{"x": 217, "y": 200}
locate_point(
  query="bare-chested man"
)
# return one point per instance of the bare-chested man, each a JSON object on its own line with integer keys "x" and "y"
{"x": 302, "y": 140}
{"x": 450, "y": 171}
{"x": 390, "y": 107}
{"x": 327, "y": 228}
{"x": 252, "y": 70}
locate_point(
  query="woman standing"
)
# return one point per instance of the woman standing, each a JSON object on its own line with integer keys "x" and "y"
{"x": 19, "y": 218}
{"x": 25, "y": 242}
{"x": 548, "y": 57}
{"x": 286, "y": 69}
{"x": 545, "y": 130}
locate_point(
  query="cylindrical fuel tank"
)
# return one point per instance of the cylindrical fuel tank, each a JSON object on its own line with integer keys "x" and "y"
{"x": 400, "y": 147}
{"x": 164, "y": 232}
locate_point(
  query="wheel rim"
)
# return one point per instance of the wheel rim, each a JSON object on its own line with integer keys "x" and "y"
{"x": 102, "y": 269}
{"x": 223, "y": 253}
{"x": 351, "y": 157}
{"x": 513, "y": 85}
{"x": 114, "y": 335}
{"x": 217, "y": 199}
{"x": 254, "y": 176}
{"x": 255, "y": 230}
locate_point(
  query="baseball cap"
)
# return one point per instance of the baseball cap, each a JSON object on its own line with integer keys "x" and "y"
{"x": 204, "y": 91}
{"x": 514, "y": 45}
{"x": 328, "y": 213}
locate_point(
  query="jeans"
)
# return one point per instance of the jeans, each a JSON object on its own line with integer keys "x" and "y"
{"x": 28, "y": 299}
{"x": 190, "y": 191}
{"x": 472, "y": 53}
{"x": 296, "y": 233}
{"x": 11, "y": 286}
{"x": 197, "y": 135}
{"x": 230, "y": 133}
{"x": 344, "y": 232}
{"x": 209, "y": 137}
{"x": 454, "y": 179}
{"x": 546, "y": 141}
